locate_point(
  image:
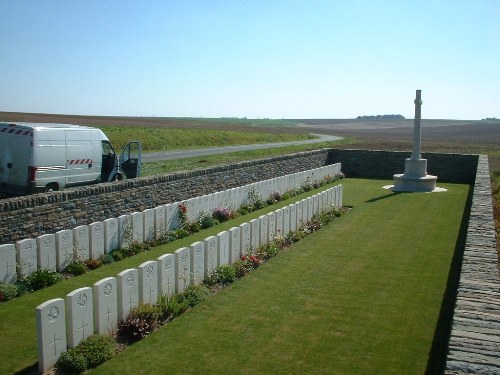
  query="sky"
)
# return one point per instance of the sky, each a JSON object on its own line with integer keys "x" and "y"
{"x": 251, "y": 58}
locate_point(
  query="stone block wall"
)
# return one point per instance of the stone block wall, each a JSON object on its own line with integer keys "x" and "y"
{"x": 34, "y": 215}
{"x": 457, "y": 168}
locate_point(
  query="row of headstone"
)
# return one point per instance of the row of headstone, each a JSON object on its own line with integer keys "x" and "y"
{"x": 56, "y": 251}
{"x": 64, "y": 323}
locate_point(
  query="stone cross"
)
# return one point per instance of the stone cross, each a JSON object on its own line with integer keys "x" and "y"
{"x": 417, "y": 134}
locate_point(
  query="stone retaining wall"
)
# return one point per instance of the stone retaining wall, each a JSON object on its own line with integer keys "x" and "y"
{"x": 457, "y": 168}
{"x": 32, "y": 216}
{"x": 474, "y": 345}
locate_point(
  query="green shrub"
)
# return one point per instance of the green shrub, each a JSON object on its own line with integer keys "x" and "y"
{"x": 222, "y": 275}
{"x": 7, "y": 291}
{"x": 91, "y": 352}
{"x": 140, "y": 322}
{"x": 97, "y": 349}
{"x": 107, "y": 259}
{"x": 240, "y": 268}
{"x": 72, "y": 362}
{"x": 194, "y": 294}
{"x": 207, "y": 221}
{"x": 93, "y": 264}
{"x": 171, "y": 307}
{"x": 42, "y": 278}
{"x": 181, "y": 233}
{"x": 76, "y": 268}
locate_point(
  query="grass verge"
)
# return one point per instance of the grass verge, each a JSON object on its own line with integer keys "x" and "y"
{"x": 188, "y": 164}
{"x": 361, "y": 296}
{"x": 161, "y": 139}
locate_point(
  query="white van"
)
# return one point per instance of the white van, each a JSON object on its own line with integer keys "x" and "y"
{"x": 38, "y": 157}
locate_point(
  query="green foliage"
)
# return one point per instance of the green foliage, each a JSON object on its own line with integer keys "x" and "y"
{"x": 72, "y": 362}
{"x": 207, "y": 221}
{"x": 171, "y": 307}
{"x": 134, "y": 249}
{"x": 194, "y": 294}
{"x": 223, "y": 214}
{"x": 222, "y": 275}
{"x": 7, "y": 291}
{"x": 93, "y": 264}
{"x": 76, "y": 269}
{"x": 107, "y": 259}
{"x": 140, "y": 322}
{"x": 41, "y": 278}
{"x": 91, "y": 352}
{"x": 97, "y": 349}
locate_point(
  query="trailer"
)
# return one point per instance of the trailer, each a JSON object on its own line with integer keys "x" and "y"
{"x": 39, "y": 157}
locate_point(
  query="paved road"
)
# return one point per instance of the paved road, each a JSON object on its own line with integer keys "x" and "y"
{"x": 180, "y": 154}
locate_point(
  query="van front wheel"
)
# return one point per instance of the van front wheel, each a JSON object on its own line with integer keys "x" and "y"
{"x": 51, "y": 187}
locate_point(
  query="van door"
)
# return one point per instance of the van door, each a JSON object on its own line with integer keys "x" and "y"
{"x": 80, "y": 158}
{"x": 130, "y": 159}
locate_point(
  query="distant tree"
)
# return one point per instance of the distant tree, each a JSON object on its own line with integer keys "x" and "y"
{"x": 381, "y": 117}
{"x": 491, "y": 119}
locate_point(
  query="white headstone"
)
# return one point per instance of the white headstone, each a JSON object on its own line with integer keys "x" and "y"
{"x": 124, "y": 231}
{"x": 310, "y": 208}
{"x": 300, "y": 217}
{"x": 234, "y": 244}
{"x": 183, "y": 267}
{"x": 191, "y": 205}
{"x": 105, "y": 306}
{"x": 96, "y": 239}
{"x": 264, "y": 232}
{"x": 166, "y": 275}
{"x": 222, "y": 248}
{"x": 27, "y": 256}
{"x": 148, "y": 282}
{"x": 8, "y": 263}
{"x": 271, "y": 226}
{"x": 254, "y": 235}
{"x": 80, "y": 316}
{"x": 341, "y": 191}
{"x": 206, "y": 203}
{"x": 286, "y": 220}
{"x": 51, "y": 333}
{"x": 197, "y": 263}
{"x": 160, "y": 222}
{"x": 47, "y": 251}
{"x": 210, "y": 255}
{"x": 293, "y": 217}
{"x": 172, "y": 216}
{"x": 316, "y": 203}
{"x": 149, "y": 225}
{"x": 64, "y": 248}
{"x": 127, "y": 285}
{"x": 246, "y": 245}
{"x": 110, "y": 235}
{"x": 137, "y": 227}
{"x": 81, "y": 242}
{"x": 305, "y": 209}
{"x": 279, "y": 222}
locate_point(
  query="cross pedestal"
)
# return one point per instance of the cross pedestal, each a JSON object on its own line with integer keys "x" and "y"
{"x": 415, "y": 177}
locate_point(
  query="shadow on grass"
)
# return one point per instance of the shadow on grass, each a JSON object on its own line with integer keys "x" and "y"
{"x": 394, "y": 193}
{"x": 439, "y": 349}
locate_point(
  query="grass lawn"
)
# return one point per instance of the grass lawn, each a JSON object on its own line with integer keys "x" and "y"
{"x": 18, "y": 345}
{"x": 363, "y": 295}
